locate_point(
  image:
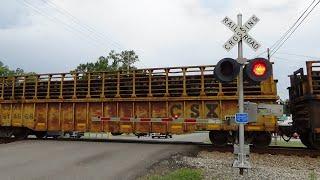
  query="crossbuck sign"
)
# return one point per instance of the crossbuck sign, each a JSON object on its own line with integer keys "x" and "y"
{"x": 241, "y": 33}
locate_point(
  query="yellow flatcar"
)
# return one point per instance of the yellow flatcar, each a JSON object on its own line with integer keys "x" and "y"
{"x": 173, "y": 100}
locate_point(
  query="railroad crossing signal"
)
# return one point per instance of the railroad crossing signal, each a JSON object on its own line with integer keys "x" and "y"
{"x": 241, "y": 33}
{"x": 257, "y": 70}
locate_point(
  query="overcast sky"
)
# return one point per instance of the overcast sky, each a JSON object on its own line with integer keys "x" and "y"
{"x": 43, "y": 37}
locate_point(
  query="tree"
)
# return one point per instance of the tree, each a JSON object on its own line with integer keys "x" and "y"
{"x": 286, "y": 107}
{"x": 128, "y": 58}
{"x": 6, "y": 71}
{"x": 112, "y": 62}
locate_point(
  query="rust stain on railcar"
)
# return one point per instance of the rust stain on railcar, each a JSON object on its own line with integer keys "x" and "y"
{"x": 28, "y": 115}
{"x": 16, "y": 115}
{"x": 269, "y": 123}
{"x": 126, "y": 126}
{"x": 159, "y": 109}
{"x": 81, "y": 116}
{"x": 125, "y": 112}
{"x": 110, "y": 110}
{"x": 41, "y": 117}
{"x": 114, "y": 126}
{"x": 228, "y": 108}
{"x": 142, "y": 109}
{"x": 125, "y": 109}
{"x": 67, "y": 117}
{"x": 6, "y": 114}
{"x": 53, "y": 117}
{"x": 160, "y": 127}
{"x": 176, "y": 128}
{"x": 144, "y": 126}
{"x": 190, "y": 127}
{"x": 95, "y": 109}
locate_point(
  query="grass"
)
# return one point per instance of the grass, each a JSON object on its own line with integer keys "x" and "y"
{"x": 291, "y": 143}
{"x": 312, "y": 175}
{"x": 179, "y": 174}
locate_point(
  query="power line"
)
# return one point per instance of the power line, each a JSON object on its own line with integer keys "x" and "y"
{"x": 286, "y": 59}
{"x": 57, "y": 20}
{"x": 294, "y": 29}
{"x": 261, "y": 53}
{"x": 78, "y": 22}
{"x": 299, "y": 55}
{"x": 287, "y": 32}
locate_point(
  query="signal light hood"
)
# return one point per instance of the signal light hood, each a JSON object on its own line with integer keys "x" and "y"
{"x": 226, "y": 70}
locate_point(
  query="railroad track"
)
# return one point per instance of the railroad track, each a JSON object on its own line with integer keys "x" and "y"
{"x": 295, "y": 151}
{"x": 7, "y": 140}
{"x": 272, "y": 150}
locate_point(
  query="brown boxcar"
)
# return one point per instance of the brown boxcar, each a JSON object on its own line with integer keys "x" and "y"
{"x": 172, "y": 100}
{"x": 304, "y": 94}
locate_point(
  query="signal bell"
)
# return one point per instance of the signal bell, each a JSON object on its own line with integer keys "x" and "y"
{"x": 226, "y": 70}
{"x": 258, "y": 69}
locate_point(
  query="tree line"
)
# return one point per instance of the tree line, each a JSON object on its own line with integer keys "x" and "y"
{"x": 112, "y": 62}
{"x": 6, "y": 71}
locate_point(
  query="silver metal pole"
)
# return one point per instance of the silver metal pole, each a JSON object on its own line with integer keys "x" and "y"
{"x": 241, "y": 162}
{"x": 240, "y": 91}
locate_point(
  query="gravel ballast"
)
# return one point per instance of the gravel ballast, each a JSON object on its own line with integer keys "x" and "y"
{"x": 217, "y": 165}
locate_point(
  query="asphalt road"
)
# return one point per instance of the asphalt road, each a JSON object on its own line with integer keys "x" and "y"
{"x": 38, "y": 159}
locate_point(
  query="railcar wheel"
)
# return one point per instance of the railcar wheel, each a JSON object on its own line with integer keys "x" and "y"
{"x": 261, "y": 139}
{"x": 40, "y": 134}
{"x": 55, "y": 136}
{"x": 218, "y": 138}
{"x": 20, "y": 133}
{"x": 304, "y": 138}
{"x": 116, "y": 134}
{"x": 315, "y": 144}
{"x": 7, "y": 132}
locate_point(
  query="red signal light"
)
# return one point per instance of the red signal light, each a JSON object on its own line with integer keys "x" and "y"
{"x": 258, "y": 69}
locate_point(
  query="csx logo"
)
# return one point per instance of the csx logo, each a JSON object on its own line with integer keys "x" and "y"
{"x": 194, "y": 110}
